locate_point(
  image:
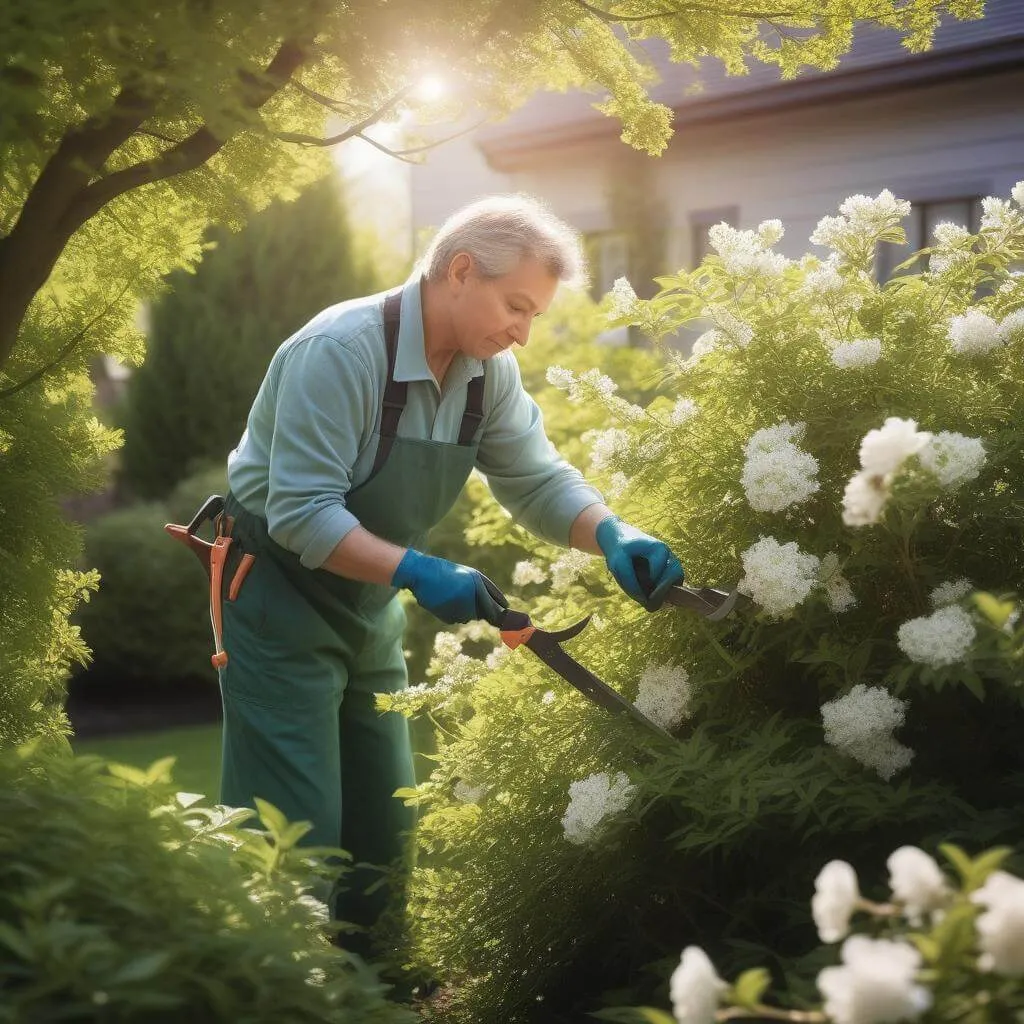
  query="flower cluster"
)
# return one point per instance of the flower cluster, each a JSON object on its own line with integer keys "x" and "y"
{"x": 942, "y": 638}
{"x": 1001, "y": 926}
{"x": 625, "y": 303}
{"x": 837, "y": 587}
{"x": 777, "y": 473}
{"x": 975, "y": 333}
{"x": 748, "y": 254}
{"x": 608, "y": 448}
{"x": 953, "y": 458}
{"x": 527, "y": 572}
{"x": 882, "y": 453}
{"x": 950, "y": 592}
{"x": 566, "y": 569}
{"x": 664, "y": 695}
{"x": 592, "y": 801}
{"x": 861, "y": 724}
{"x": 862, "y": 222}
{"x": 593, "y": 383}
{"x": 859, "y": 352}
{"x": 778, "y": 576}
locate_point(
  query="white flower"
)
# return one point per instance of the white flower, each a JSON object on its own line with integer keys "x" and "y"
{"x": 942, "y": 638}
{"x": 836, "y": 895}
{"x": 528, "y": 572}
{"x": 777, "y": 473}
{"x": 664, "y": 694}
{"x": 1017, "y": 192}
{"x": 695, "y": 988}
{"x": 607, "y": 447}
{"x": 617, "y": 485}
{"x": 875, "y": 985}
{"x": 949, "y": 235}
{"x": 861, "y": 723}
{"x": 917, "y": 882}
{"x": 591, "y": 801}
{"x": 974, "y": 333}
{"x": 447, "y": 646}
{"x": 1001, "y": 926}
{"x": 777, "y": 576}
{"x": 863, "y": 220}
{"x": 864, "y": 498}
{"x": 707, "y": 342}
{"x": 547, "y": 697}
{"x": 953, "y": 458}
{"x": 497, "y": 657}
{"x": 823, "y": 282}
{"x": 560, "y": 377}
{"x": 1011, "y": 324}
{"x": 950, "y": 592}
{"x": 603, "y": 385}
{"x": 467, "y": 793}
{"x": 861, "y": 352}
{"x": 770, "y": 231}
{"x": 683, "y": 410}
{"x": 746, "y": 253}
{"x": 730, "y": 326}
{"x": 624, "y": 300}
{"x": 999, "y": 218}
{"x": 882, "y": 451}
{"x": 566, "y": 569}
{"x": 837, "y": 587}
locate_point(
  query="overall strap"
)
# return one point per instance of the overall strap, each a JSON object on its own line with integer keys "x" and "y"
{"x": 395, "y": 392}
{"x": 474, "y": 414}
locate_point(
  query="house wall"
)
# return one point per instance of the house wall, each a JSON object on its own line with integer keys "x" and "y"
{"x": 942, "y": 141}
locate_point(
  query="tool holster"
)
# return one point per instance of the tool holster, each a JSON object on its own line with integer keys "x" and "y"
{"x": 213, "y": 558}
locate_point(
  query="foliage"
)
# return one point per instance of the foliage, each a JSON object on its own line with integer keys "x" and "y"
{"x": 121, "y": 901}
{"x": 788, "y": 751}
{"x": 212, "y": 335}
{"x": 935, "y": 951}
{"x": 119, "y": 151}
{"x": 149, "y": 624}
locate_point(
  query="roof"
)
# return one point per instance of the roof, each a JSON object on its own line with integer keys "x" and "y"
{"x": 877, "y": 61}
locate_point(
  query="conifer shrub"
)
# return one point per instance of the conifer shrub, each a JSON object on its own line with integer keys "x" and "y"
{"x": 122, "y": 901}
{"x": 849, "y": 453}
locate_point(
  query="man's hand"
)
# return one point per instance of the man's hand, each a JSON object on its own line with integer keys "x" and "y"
{"x": 452, "y": 592}
{"x": 621, "y": 544}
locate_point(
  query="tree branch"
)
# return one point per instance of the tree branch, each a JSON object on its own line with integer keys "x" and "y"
{"x": 350, "y": 132}
{"x": 66, "y": 349}
{"x": 334, "y": 105}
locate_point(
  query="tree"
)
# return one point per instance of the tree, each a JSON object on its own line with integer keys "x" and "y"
{"x": 212, "y": 336}
{"x": 127, "y": 127}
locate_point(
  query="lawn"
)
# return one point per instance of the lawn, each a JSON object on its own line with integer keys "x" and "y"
{"x": 197, "y": 749}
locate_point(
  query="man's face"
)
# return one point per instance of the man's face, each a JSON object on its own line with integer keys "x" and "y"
{"x": 491, "y": 315}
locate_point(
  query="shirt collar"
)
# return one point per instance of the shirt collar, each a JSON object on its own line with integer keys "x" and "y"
{"x": 411, "y": 359}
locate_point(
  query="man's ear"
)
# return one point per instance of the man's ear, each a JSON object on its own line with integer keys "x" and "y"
{"x": 459, "y": 270}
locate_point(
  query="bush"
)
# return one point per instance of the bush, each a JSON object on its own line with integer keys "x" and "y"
{"x": 149, "y": 623}
{"x": 858, "y": 702}
{"x": 121, "y": 902}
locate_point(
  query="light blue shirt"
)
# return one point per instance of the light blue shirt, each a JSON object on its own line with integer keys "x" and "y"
{"x": 313, "y": 429}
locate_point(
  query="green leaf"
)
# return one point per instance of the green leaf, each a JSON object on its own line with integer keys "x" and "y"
{"x": 996, "y": 611}
{"x": 750, "y": 986}
{"x": 958, "y": 859}
{"x": 141, "y": 968}
{"x": 273, "y": 820}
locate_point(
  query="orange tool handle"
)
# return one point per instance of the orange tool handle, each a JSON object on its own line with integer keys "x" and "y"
{"x": 218, "y": 556}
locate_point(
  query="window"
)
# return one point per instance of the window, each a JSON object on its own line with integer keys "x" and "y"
{"x": 920, "y": 229}
{"x": 701, "y": 223}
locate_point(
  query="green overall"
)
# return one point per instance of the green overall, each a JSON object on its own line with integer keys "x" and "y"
{"x": 308, "y": 649}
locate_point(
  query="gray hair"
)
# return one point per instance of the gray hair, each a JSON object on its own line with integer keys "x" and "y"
{"x": 499, "y": 232}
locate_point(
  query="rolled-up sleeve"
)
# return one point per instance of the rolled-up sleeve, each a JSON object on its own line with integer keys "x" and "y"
{"x": 524, "y": 471}
{"x": 324, "y": 403}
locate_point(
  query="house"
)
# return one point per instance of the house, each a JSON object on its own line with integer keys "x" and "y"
{"x": 942, "y": 129}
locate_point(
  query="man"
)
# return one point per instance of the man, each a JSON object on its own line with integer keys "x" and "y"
{"x": 364, "y": 430}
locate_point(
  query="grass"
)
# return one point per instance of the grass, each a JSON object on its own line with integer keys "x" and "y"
{"x": 197, "y": 749}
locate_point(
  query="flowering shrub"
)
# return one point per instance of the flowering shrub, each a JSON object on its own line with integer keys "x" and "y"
{"x": 850, "y": 455}
{"x": 940, "y": 951}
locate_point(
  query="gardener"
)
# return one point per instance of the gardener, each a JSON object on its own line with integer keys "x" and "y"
{"x": 364, "y": 431}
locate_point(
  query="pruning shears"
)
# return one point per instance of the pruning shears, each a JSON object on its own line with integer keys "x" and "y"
{"x": 517, "y": 630}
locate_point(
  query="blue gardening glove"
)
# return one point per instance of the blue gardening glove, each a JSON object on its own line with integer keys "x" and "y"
{"x": 452, "y": 592}
{"x": 622, "y": 545}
